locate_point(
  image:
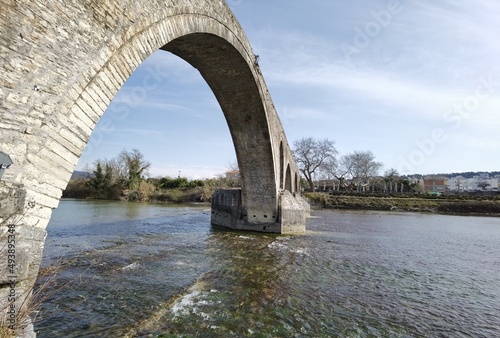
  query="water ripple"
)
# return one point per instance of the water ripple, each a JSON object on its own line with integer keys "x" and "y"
{"x": 351, "y": 275}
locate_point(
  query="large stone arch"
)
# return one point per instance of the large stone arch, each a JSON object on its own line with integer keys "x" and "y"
{"x": 63, "y": 64}
{"x": 234, "y": 85}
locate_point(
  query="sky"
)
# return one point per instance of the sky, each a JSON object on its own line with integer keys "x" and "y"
{"x": 417, "y": 83}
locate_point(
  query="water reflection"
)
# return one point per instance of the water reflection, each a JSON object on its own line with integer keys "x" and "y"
{"x": 243, "y": 293}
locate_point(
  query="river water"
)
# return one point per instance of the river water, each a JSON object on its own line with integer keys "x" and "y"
{"x": 116, "y": 269}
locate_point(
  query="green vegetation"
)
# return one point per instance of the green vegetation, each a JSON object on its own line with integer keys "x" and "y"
{"x": 469, "y": 205}
{"x": 165, "y": 189}
{"x": 123, "y": 178}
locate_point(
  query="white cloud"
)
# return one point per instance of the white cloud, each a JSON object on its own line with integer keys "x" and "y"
{"x": 290, "y": 114}
{"x": 127, "y": 97}
{"x": 397, "y": 89}
{"x": 139, "y": 132}
{"x": 481, "y": 143}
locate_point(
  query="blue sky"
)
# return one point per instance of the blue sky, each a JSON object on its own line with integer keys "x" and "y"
{"x": 415, "y": 82}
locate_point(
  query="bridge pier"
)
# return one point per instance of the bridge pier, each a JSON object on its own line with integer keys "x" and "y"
{"x": 228, "y": 211}
{"x": 21, "y": 247}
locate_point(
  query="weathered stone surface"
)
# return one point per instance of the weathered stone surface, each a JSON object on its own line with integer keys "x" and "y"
{"x": 292, "y": 214}
{"x": 12, "y": 199}
{"x": 227, "y": 211}
{"x": 21, "y": 250}
{"x": 28, "y": 245}
{"x": 226, "y": 207}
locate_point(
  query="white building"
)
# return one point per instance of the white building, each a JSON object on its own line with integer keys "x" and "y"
{"x": 481, "y": 182}
{"x": 457, "y": 183}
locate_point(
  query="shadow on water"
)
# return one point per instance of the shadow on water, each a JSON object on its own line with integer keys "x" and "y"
{"x": 244, "y": 291}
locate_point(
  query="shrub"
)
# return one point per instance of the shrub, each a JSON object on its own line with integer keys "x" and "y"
{"x": 145, "y": 190}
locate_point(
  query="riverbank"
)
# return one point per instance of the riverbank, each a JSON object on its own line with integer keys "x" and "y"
{"x": 163, "y": 190}
{"x": 152, "y": 192}
{"x": 464, "y": 205}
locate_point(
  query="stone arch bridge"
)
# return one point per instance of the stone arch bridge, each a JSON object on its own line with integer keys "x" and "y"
{"x": 62, "y": 64}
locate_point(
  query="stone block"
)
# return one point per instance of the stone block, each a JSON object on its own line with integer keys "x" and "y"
{"x": 226, "y": 208}
{"x": 292, "y": 213}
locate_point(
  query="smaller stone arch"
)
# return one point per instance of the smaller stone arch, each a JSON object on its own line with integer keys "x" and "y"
{"x": 288, "y": 179}
{"x": 282, "y": 165}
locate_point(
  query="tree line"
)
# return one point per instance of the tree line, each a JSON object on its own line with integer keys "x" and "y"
{"x": 111, "y": 177}
{"x": 319, "y": 160}
{"x": 125, "y": 177}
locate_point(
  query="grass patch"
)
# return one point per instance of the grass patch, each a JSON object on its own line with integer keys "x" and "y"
{"x": 461, "y": 205}
{"x": 471, "y": 207}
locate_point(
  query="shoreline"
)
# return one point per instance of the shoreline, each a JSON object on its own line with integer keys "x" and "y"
{"x": 450, "y": 205}
{"x": 465, "y": 206}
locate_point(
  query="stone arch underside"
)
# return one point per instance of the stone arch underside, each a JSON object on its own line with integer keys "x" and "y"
{"x": 231, "y": 80}
{"x": 64, "y": 65}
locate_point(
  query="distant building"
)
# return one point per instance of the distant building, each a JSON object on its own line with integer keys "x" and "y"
{"x": 234, "y": 174}
{"x": 326, "y": 185}
{"x": 417, "y": 182}
{"x": 494, "y": 184}
{"x": 436, "y": 184}
{"x": 477, "y": 183}
{"x": 458, "y": 183}
{"x": 487, "y": 184}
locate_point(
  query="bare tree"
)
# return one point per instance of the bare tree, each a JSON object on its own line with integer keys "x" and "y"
{"x": 363, "y": 167}
{"x": 232, "y": 165}
{"x": 119, "y": 167}
{"x": 312, "y": 155}
{"x": 339, "y": 170}
{"x": 392, "y": 176}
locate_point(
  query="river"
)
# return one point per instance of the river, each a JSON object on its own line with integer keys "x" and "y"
{"x": 117, "y": 269}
